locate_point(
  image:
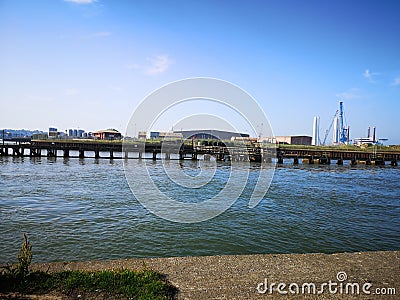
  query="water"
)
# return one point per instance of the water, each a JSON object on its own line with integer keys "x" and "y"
{"x": 75, "y": 209}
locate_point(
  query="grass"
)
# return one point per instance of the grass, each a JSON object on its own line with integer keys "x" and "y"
{"x": 377, "y": 148}
{"x": 144, "y": 284}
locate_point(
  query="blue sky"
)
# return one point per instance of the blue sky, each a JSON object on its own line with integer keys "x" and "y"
{"x": 88, "y": 64}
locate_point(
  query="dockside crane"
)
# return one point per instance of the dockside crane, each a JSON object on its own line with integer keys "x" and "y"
{"x": 342, "y": 132}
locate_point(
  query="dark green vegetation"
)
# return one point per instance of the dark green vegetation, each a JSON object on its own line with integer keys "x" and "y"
{"x": 130, "y": 284}
{"x": 144, "y": 284}
{"x": 362, "y": 148}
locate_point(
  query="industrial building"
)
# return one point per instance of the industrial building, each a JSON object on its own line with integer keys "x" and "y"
{"x": 108, "y": 134}
{"x": 206, "y": 134}
{"x": 164, "y": 135}
{"x": 369, "y": 140}
{"x": 294, "y": 140}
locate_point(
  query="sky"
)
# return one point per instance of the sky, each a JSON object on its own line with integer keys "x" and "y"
{"x": 88, "y": 63}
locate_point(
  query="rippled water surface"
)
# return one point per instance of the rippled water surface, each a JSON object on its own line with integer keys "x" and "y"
{"x": 76, "y": 209}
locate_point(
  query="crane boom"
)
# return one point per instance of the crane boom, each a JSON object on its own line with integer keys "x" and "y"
{"x": 330, "y": 127}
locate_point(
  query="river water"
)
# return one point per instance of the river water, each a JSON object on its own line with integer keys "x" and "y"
{"x": 82, "y": 209}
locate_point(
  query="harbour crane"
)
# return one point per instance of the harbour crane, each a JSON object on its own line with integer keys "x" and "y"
{"x": 342, "y": 132}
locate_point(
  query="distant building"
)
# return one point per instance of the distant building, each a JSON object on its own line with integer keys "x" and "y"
{"x": 40, "y": 136}
{"x": 80, "y": 132}
{"x": 19, "y": 133}
{"x": 53, "y": 132}
{"x": 142, "y": 135}
{"x": 244, "y": 138}
{"x": 77, "y": 133}
{"x": 108, "y": 134}
{"x": 205, "y": 134}
{"x": 369, "y": 140}
{"x": 364, "y": 141}
{"x": 154, "y": 134}
{"x": 165, "y": 135}
{"x": 294, "y": 140}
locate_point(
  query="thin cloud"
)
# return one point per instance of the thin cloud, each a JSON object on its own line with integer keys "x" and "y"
{"x": 133, "y": 67}
{"x": 369, "y": 75}
{"x": 353, "y": 93}
{"x": 101, "y": 34}
{"x": 71, "y": 92}
{"x": 81, "y": 1}
{"x": 158, "y": 64}
{"x": 115, "y": 88}
{"x": 396, "y": 81}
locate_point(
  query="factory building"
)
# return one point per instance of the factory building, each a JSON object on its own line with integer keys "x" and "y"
{"x": 294, "y": 140}
{"x": 205, "y": 134}
{"x": 164, "y": 135}
{"x": 369, "y": 140}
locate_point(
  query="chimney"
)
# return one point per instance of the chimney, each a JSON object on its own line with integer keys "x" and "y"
{"x": 373, "y": 136}
{"x": 348, "y": 134}
{"x": 369, "y": 131}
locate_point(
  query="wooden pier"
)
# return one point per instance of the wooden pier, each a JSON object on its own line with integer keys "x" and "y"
{"x": 189, "y": 150}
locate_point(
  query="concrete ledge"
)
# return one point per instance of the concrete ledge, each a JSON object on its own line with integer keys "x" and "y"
{"x": 237, "y": 276}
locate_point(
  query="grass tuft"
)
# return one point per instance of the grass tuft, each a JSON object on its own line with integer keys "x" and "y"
{"x": 145, "y": 284}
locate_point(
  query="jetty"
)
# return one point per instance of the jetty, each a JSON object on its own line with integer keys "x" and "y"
{"x": 194, "y": 149}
